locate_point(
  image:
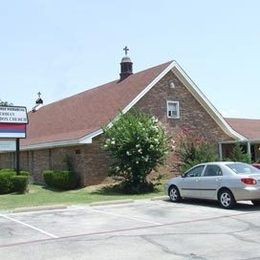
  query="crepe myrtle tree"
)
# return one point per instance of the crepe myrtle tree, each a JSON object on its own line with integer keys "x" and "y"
{"x": 137, "y": 143}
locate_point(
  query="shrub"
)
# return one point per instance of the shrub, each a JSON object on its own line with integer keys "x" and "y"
{"x": 7, "y": 170}
{"x": 10, "y": 182}
{"x": 20, "y": 183}
{"x": 137, "y": 144}
{"x": 6, "y": 185}
{"x": 193, "y": 149}
{"x": 48, "y": 177}
{"x": 238, "y": 155}
{"x": 62, "y": 180}
{"x": 24, "y": 173}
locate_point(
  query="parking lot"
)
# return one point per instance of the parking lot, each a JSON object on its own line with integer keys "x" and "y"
{"x": 139, "y": 230}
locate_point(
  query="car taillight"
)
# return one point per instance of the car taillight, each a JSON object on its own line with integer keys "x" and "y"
{"x": 249, "y": 181}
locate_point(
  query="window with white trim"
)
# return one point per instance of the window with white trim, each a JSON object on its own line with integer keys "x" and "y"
{"x": 173, "y": 109}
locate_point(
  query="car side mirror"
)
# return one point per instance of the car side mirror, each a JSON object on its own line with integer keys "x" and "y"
{"x": 183, "y": 175}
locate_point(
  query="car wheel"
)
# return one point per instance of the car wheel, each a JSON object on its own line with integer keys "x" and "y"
{"x": 174, "y": 194}
{"x": 226, "y": 199}
{"x": 256, "y": 202}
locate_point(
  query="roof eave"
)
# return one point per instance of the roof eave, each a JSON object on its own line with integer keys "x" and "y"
{"x": 52, "y": 144}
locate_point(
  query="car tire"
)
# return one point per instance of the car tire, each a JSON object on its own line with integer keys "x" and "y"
{"x": 256, "y": 202}
{"x": 226, "y": 199}
{"x": 174, "y": 194}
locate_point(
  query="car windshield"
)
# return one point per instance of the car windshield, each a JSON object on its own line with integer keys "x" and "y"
{"x": 241, "y": 168}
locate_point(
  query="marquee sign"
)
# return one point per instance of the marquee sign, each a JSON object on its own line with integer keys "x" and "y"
{"x": 13, "y": 122}
{"x": 12, "y": 130}
{"x": 13, "y": 115}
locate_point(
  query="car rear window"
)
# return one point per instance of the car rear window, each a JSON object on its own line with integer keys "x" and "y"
{"x": 243, "y": 168}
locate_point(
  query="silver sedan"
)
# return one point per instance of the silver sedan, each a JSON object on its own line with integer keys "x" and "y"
{"x": 226, "y": 182}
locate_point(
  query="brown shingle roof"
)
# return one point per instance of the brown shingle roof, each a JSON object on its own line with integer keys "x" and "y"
{"x": 250, "y": 128}
{"x": 81, "y": 114}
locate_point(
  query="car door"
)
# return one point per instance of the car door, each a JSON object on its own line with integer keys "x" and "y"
{"x": 210, "y": 181}
{"x": 190, "y": 182}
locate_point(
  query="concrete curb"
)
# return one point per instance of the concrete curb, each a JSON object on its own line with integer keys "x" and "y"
{"x": 160, "y": 198}
{"x": 111, "y": 202}
{"x": 38, "y": 208}
{"x": 93, "y": 204}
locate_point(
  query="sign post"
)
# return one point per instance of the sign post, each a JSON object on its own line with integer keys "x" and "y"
{"x": 13, "y": 121}
{"x": 17, "y": 153}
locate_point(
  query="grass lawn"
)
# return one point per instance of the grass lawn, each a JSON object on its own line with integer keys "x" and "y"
{"x": 39, "y": 195}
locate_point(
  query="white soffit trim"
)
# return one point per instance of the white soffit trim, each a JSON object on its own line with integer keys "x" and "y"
{"x": 54, "y": 144}
{"x": 251, "y": 141}
{"x": 87, "y": 139}
{"x": 84, "y": 140}
{"x": 203, "y": 100}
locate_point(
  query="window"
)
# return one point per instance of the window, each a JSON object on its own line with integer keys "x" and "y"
{"x": 243, "y": 168}
{"x": 77, "y": 151}
{"x": 212, "y": 170}
{"x": 173, "y": 109}
{"x": 195, "y": 172}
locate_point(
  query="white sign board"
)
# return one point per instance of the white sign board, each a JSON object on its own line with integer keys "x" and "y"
{"x": 13, "y": 115}
{"x": 7, "y": 145}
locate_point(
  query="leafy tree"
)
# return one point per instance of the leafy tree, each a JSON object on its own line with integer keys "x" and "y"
{"x": 238, "y": 155}
{"x": 137, "y": 144}
{"x": 5, "y": 103}
{"x": 193, "y": 149}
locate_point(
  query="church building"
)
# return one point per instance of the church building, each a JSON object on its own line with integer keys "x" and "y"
{"x": 72, "y": 127}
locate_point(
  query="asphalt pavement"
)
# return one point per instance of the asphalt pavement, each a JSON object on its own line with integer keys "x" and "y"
{"x": 142, "y": 229}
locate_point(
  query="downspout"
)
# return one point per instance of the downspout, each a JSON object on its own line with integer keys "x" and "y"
{"x": 220, "y": 151}
{"x": 249, "y": 150}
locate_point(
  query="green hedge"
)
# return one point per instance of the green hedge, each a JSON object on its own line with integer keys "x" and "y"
{"x": 10, "y": 182}
{"x": 7, "y": 170}
{"x": 24, "y": 173}
{"x": 20, "y": 183}
{"x": 6, "y": 184}
{"x": 62, "y": 180}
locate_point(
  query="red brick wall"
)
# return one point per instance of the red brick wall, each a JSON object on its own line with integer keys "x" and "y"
{"x": 7, "y": 160}
{"x": 192, "y": 115}
{"x": 89, "y": 161}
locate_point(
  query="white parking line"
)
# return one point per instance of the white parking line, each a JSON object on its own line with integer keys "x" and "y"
{"x": 126, "y": 217}
{"x": 30, "y": 226}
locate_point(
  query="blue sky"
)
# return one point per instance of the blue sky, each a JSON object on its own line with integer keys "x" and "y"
{"x": 62, "y": 47}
